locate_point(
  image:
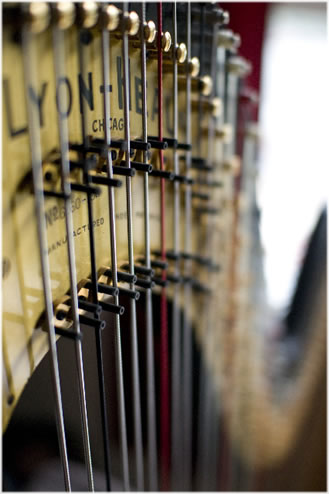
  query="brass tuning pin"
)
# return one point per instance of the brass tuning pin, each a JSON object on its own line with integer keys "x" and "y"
{"x": 213, "y": 106}
{"x": 239, "y": 66}
{"x": 87, "y": 14}
{"x": 63, "y": 14}
{"x": 109, "y": 17}
{"x": 149, "y": 31}
{"x": 166, "y": 41}
{"x": 181, "y": 53}
{"x": 37, "y": 16}
{"x": 205, "y": 85}
{"x": 131, "y": 23}
{"x": 194, "y": 67}
{"x": 202, "y": 84}
{"x": 228, "y": 39}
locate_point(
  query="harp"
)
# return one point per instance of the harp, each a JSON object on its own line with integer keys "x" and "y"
{"x": 130, "y": 224}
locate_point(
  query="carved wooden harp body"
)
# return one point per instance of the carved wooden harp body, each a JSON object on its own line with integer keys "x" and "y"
{"x": 131, "y": 241}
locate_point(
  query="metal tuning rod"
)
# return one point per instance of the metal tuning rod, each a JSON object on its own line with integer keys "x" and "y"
{"x": 38, "y": 21}
{"x": 147, "y": 31}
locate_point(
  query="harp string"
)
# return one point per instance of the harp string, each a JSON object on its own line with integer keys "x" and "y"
{"x": 65, "y": 169}
{"x": 30, "y": 80}
{"x": 164, "y": 363}
{"x": 176, "y": 422}
{"x": 133, "y": 321}
{"x": 187, "y": 327}
{"x": 150, "y": 373}
{"x": 114, "y": 264}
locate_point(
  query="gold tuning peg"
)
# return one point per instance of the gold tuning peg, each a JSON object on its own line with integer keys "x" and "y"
{"x": 239, "y": 66}
{"x": 87, "y": 14}
{"x": 194, "y": 66}
{"x": 109, "y": 17}
{"x": 131, "y": 20}
{"x": 64, "y": 14}
{"x": 228, "y": 39}
{"x": 216, "y": 107}
{"x": 37, "y": 16}
{"x": 166, "y": 41}
{"x": 201, "y": 84}
{"x": 181, "y": 53}
{"x": 149, "y": 31}
{"x": 206, "y": 85}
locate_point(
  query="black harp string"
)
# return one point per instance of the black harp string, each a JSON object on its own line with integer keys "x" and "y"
{"x": 94, "y": 289}
{"x": 176, "y": 424}
{"x": 150, "y": 373}
{"x": 30, "y": 80}
{"x": 133, "y": 319}
{"x": 187, "y": 392}
{"x": 114, "y": 266}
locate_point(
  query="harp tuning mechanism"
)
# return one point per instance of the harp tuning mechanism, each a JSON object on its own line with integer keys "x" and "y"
{"x": 206, "y": 85}
{"x": 109, "y": 17}
{"x": 166, "y": 41}
{"x": 37, "y": 16}
{"x": 181, "y": 53}
{"x": 87, "y": 14}
{"x": 63, "y": 15}
{"x": 239, "y": 66}
{"x": 131, "y": 23}
{"x": 228, "y": 39}
{"x": 194, "y": 67}
{"x": 216, "y": 107}
{"x": 224, "y": 17}
{"x": 149, "y": 31}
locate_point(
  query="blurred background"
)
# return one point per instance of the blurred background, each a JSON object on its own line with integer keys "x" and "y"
{"x": 287, "y": 45}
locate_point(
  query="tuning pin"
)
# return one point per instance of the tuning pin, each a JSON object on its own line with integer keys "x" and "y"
{"x": 194, "y": 66}
{"x": 87, "y": 14}
{"x": 202, "y": 84}
{"x": 216, "y": 107}
{"x": 181, "y": 53}
{"x": 37, "y": 16}
{"x": 109, "y": 17}
{"x": 232, "y": 165}
{"x": 206, "y": 85}
{"x": 149, "y": 31}
{"x": 63, "y": 14}
{"x": 225, "y": 133}
{"x": 225, "y": 17}
{"x": 213, "y": 106}
{"x": 131, "y": 23}
{"x": 166, "y": 41}
{"x": 165, "y": 44}
{"x": 239, "y": 66}
{"x": 228, "y": 39}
